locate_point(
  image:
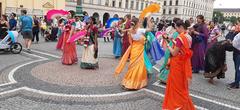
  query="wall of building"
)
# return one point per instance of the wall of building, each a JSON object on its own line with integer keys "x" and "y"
{"x": 112, "y": 7}
{"x": 34, "y": 7}
{"x": 188, "y": 8}
{"x": 229, "y": 14}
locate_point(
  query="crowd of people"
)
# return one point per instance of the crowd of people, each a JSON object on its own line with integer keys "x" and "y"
{"x": 189, "y": 47}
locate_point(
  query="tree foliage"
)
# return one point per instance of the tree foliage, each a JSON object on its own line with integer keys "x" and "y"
{"x": 218, "y": 17}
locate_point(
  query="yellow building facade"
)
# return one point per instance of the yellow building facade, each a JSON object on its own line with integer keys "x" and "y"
{"x": 33, "y": 7}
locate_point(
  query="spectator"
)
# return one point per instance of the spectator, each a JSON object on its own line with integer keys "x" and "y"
{"x": 4, "y": 26}
{"x": 36, "y": 28}
{"x": 26, "y": 28}
{"x": 160, "y": 25}
{"x": 12, "y": 22}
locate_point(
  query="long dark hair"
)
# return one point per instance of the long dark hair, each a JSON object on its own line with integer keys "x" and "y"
{"x": 174, "y": 22}
{"x": 134, "y": 22}
{"x": 93, "y": 20}
{"x": 185, "y": 24}
{"x": 5, "y": 17}
{"x": 145, "y": 22}
{"x": 201, "y": 17}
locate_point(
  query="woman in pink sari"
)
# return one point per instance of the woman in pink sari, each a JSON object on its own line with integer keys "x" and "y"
{"x": 69, "y": 56}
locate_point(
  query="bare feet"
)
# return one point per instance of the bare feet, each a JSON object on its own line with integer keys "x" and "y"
{"x": 211, "y": 81}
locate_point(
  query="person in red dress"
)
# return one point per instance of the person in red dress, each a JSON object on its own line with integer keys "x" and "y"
{"x": 69, "y": 56}
{"x": 177, "y": 91}
{"x": 125, "y": 36}
{"x": 60, "y": 34}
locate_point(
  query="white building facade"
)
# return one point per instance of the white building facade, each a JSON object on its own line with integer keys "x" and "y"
{"x": 109, "y": 8}
{"x": 229, "y": 12}
{"x": 185, "y": 9}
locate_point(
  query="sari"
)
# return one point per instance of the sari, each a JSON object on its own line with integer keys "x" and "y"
{"x": 163, "y": 70}
{"x": 90, "y": 55}
{"x": 177, "y": 91}
{"x": 199, "y": 47}
{"x": 69, "y": 56}
{"x": 60, "y": 38}
{"x": 136, "y": 76}
{"x": 153, "y": 48}
{"x": 117, "y": 44}
{"x": 212, "y": 34}
{"x": 125, "y": 38}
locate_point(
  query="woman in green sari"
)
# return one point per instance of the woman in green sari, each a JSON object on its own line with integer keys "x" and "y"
{"x": 164, "y": 70}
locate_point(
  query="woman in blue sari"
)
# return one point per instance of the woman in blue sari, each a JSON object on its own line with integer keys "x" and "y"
{"x": 117, "y": 43}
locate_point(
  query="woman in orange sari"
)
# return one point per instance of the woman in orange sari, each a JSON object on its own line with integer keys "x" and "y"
{"x": 177, "y": 91}
{"x": 136, "y": 76}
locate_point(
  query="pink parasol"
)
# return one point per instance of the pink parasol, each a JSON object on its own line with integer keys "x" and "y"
{"x": 54, "y": 13}
{"x": 77, "y": 36}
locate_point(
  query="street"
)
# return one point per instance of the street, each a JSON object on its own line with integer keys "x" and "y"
{"x": 38, "y": 81}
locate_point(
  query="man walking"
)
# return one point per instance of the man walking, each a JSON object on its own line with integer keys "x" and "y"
{"x": 26, "y": 29}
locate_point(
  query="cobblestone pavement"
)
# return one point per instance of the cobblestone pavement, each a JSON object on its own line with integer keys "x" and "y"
{"x": 38, "y": 81}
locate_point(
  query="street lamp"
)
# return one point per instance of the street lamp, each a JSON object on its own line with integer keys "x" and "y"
{"x": 79, "y": 7}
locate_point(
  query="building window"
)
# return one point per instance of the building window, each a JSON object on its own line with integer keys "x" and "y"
{"x": 79, "y": 2}
{"x": 146, "y": 4}
{"x": 184, "y": 2}
{"x": 137, "y": 5}
{"x": 165, "y": 3}
{"x": 176, "y": 11}
{"x": 126, "y": 4}
{"x": 106, "y": 2}
{"x": 120, "y": 4}
{"x": 176, "y": 3}
{"x": 91, "y": 1}
{"x": 164, "y": 11}
{"x": 99, "y": 2}
{"x": 187, "y": 3}
{"x": 142, "y": 5}
{"x": 170, "y": 11}
{"x": 113, "y": 3}
{"x": 170, "y": 3}
{"x": 183, "y": 12}
{"x": 132, "y": 4}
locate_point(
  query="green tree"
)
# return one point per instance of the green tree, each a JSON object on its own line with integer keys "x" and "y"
{"x": 233, "y": 19}
{"x": 218, "y": 17}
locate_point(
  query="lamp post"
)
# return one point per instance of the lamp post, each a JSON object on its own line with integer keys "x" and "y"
{"x": 79, "y": 7}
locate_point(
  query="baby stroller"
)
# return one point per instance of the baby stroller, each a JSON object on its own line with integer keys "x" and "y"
{"x": 9, "y": 43}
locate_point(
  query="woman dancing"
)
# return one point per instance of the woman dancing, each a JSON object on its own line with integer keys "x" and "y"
{"x": 177, "y": 91}
{"x": 90, "y": 51}
{"x": 136, "y": 76}
{"x": 69, "y": 56}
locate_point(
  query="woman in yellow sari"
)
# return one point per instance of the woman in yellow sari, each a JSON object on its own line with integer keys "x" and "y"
{"x": 136, "y": 76}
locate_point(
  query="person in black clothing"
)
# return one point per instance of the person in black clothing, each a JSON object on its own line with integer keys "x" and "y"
{"x": 236, "y": 59}
{"x": 223, "y": 28}
{"x": 4, "y": 26}
{"x": 36, "y": 28}
{"x": 160, "y": 25}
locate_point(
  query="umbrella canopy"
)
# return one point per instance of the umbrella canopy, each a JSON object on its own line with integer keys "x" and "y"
{"x": 54, "y": 13}
{"x": 153, "y": 8}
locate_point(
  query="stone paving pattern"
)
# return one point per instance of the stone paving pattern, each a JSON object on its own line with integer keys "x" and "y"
{"x": 21, "y": 103}
{"x": 53, "y": 77}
